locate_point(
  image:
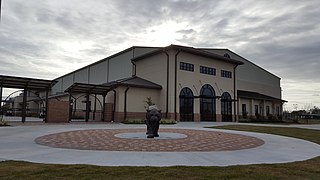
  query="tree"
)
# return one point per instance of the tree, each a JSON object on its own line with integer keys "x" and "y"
{"x": 315, "y": 110}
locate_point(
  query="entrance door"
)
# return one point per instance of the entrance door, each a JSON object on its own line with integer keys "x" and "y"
{"x": 186, "y": 104}
{"x": 226, "y": 107}
{"x": 207, "y": 103}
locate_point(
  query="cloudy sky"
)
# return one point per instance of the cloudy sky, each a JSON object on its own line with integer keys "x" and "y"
{"x": 46, "y": 38}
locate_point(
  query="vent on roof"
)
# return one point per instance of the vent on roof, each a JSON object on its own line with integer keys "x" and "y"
{"x": 226, "y": 56}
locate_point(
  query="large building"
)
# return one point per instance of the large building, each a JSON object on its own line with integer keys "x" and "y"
{"x": 186, "y": 83}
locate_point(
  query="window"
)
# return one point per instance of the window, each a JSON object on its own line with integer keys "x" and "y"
{"x": 186, "y": 66}
{"x": 256, "y": 109}
{"x": 227, "y": 56}
{"x": 244, "y": 110}
{"x": 278, "y": 111}
{"x": 207, "y": 70}
{"x": 226, "y": 74}
{"x": 268, "y": 110}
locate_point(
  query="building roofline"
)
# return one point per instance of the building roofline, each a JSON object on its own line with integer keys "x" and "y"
{"x": 240, "y": 57}
{"x": 188, "y": 49}
{"x": 104, "y": 59}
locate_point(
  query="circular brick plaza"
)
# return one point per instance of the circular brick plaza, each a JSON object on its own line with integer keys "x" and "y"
{"x": 107, "y": 140}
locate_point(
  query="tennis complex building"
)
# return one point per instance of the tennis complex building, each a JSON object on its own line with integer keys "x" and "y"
{"x": 186, "y": 83}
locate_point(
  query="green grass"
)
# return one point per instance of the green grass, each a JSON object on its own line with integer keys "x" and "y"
{"x": 309, "y": 169}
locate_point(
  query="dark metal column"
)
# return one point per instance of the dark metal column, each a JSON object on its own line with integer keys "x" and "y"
{"x": 103, "y": 107}
{"x": 46, "y": 113}
{"x": 94, "y": 107}
{"x": 1, "y": 89}
{"x": 24, "y": 106}
{"x": 87, "y": 107}
{"x": 114, "y": 104}
{"x": 70, "y": 107}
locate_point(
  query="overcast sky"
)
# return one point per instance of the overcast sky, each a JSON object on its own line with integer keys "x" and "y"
{"x": 49, "y": 38}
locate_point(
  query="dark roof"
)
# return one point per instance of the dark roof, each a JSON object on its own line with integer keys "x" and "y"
{"x": 188, "y": 50}
{"x": 134, "y": 81}
{"x": 26, "y": 83}
{"x": 88, "y": 88}
{"x": 255, "y": 95}
{"x": 104, "y": 88}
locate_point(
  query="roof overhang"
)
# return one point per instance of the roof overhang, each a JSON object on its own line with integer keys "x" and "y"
{"x": 26, "y": 83}
{"x": 134, "y": 81}
{"x": 256, "y": 95}
{"x": 88, "y": 88}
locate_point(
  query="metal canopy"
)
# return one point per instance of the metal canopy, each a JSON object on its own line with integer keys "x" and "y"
{"x": 255, "y": 95}
{"x": 88, "y": 88}
{"x": 25, "y": 83}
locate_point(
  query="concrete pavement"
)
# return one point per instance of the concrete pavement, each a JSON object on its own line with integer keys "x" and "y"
{"x": 17, "y": 143}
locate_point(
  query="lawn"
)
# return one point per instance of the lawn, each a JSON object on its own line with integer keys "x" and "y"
{"x": 309, "y": 169}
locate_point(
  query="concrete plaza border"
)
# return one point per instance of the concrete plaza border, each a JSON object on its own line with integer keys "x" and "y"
{"x": 17, "y": 143}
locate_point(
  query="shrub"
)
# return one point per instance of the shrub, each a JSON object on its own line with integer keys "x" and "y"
{"x": 134, "y": 121}
{"x": 3, "y": 123}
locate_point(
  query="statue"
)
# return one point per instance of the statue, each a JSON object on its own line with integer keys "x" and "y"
{"x": 153, "y": 118}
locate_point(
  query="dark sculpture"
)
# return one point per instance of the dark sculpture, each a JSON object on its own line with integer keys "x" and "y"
{"x": 153, "y": 118}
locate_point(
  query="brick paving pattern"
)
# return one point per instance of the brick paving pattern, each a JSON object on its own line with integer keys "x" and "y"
{"x": 105, "y": 140}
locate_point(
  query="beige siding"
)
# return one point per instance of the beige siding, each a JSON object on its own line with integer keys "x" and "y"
{"x": 154, "y": 69}
{"x": 137, "y": 96}
{"x": 57, "y": 87}
{"x": 120, "y": 66}
{"x": 82, "y": 76}
{"x": 251, "y": 77}
{"x": 98, "y": 73}
{"x": 67, "y": 81}
{"x": 138, "y": 51}
{"x": 195, "y": 80}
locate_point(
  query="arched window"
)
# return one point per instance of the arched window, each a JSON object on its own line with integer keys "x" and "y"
{"x": 226, "y": 107}
{"x": 186, "y": 104}
{"x": 207, "y": 103}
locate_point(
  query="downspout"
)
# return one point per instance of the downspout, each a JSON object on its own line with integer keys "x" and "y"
{"x": 175, "y": 83}
{"x": 234, "y": 93}
{"x": 125, "y": 103}
{"x": 167, "y": 93}
{"x": 134, "y": 68}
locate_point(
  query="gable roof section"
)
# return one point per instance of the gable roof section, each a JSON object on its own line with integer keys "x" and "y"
{"x": 134, "y": 81}
{"x": 244, "y": 59}
{"x": 188, "y": 50}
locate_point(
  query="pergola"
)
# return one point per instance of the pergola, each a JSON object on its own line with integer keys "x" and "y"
{"x": 88, "y": 89}
{"x": 25, "y": 84}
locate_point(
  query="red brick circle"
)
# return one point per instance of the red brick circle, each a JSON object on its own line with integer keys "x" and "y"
{"x": 105, "y": 140}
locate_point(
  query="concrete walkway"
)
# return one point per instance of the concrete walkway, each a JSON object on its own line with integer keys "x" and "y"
{"x": 17, "y": 143}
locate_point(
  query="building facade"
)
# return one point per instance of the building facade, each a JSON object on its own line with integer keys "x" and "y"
{"x": 186, "y": 83}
